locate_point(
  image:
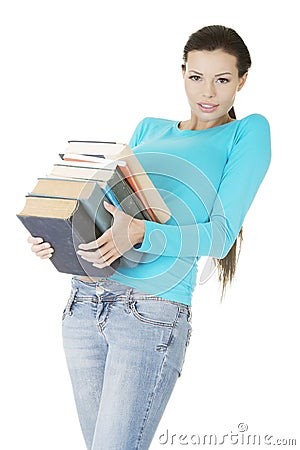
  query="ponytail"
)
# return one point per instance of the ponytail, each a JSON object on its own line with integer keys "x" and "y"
{"x": 232, "y": 113}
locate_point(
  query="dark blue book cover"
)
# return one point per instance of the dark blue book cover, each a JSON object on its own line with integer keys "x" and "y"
{"x": 64, "y": 235}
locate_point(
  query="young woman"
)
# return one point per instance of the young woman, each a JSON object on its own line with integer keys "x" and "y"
{"x": 125, "y": 336}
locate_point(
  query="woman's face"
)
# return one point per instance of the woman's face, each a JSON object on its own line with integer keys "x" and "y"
{"x": 211, "y": 83}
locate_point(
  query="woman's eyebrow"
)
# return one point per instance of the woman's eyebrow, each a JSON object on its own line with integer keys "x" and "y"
{"x": 223, "y": 73}
{"x": 217, "y": 74}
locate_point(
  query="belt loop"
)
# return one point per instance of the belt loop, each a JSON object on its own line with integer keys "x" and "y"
{"x": 189, "y": 313}
{"x": 71, "y": 301}
{"x": 128, "y": 300}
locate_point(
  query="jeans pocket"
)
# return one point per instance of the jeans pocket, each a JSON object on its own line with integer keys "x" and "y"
{"x": 155, "y": 312}
{"x": 68, "y": 308}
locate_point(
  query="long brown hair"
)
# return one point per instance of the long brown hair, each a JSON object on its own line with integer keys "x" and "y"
{"x": 210, "y": 38}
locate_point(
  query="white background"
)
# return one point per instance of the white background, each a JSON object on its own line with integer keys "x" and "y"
{"x": 92, "y": 70}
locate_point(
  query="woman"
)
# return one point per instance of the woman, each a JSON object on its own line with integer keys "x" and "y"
{"x": 125, "y": 336}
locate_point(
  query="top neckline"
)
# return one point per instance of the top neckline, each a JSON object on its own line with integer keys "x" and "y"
{"x": 179, "y": 131}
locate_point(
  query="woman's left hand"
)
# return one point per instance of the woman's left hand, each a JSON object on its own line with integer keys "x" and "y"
{"x": 124, "y": 233}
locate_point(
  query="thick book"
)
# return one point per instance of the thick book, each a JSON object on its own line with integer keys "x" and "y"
{"x": 119, "y": 151}
{"x": 80, "y": 172}
{"x": 91, "y": 196}
{"x": 65, "y": 224}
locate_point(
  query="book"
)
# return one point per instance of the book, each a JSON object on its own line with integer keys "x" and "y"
{"x": 119, "y": 151}
{"x": 91, "y": 195}
{"x": 70, "y": 159}
{"x": 80, "y": 172}
{"x": 65, "y": 224}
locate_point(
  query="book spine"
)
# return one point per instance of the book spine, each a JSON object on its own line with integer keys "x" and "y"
{"x": 125, "y": 195}
{"x": 111, "y": 197}
{"x": 96, "y": 210}
{"x": 142, "y": 208}
{"x": 135, "y": 187}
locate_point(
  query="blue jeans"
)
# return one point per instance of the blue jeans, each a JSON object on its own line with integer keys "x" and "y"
{"x": 125, "y": 350}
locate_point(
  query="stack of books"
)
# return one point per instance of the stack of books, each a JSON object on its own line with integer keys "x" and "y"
{"x": 66, "y": 208}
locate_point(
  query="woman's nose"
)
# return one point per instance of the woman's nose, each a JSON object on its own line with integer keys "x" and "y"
{"x": 208, "y": 90}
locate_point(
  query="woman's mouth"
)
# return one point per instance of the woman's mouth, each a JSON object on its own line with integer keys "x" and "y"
{"x": 207, "y": 107}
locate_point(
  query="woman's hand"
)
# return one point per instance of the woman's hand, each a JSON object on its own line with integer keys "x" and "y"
{"x": 125, "y": 232}
{"x": 42, "y": 249}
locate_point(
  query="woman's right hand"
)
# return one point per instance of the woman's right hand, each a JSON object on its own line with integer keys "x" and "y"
{"x": 42, "y": 249}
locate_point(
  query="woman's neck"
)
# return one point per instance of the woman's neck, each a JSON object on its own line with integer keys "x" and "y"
{"x": 194, "y": 124}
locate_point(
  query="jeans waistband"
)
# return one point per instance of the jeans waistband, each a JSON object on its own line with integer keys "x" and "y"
{"x": 115, "y": 291}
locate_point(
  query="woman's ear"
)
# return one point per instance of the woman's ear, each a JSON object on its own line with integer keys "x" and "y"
{"x": 183, "y": 69}
{"x": 242, "y": 81}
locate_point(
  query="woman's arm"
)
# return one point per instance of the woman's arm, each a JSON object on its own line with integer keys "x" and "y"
{"x": 244, "y": 171}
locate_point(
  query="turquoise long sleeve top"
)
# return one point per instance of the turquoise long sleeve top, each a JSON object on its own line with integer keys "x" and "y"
{"x": 208, "y": 179}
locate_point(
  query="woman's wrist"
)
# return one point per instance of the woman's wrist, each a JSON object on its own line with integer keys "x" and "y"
{"x": 137, "y": 231}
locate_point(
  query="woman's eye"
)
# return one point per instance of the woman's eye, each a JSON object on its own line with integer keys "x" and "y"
{"x": 195, "y": 78}
{"x": 223, "y": 80}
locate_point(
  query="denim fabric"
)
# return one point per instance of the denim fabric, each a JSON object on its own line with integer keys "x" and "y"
{"x": 125, "y": 350}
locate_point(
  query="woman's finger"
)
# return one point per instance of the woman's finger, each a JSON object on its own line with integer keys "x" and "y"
{"x": 94, "y": 255}
{"x": 47, "y": 253}
{"x": 90, "y": 256}
{"x": 109, "y": 257}
{"x": 90, "y": 245}
{"x": 34, "y": 240}
{"x": 108, "y": 262}
{"x": 39, "y": 247}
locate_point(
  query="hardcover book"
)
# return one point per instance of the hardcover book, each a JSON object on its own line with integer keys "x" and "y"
{"x": 65, "y": 224}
